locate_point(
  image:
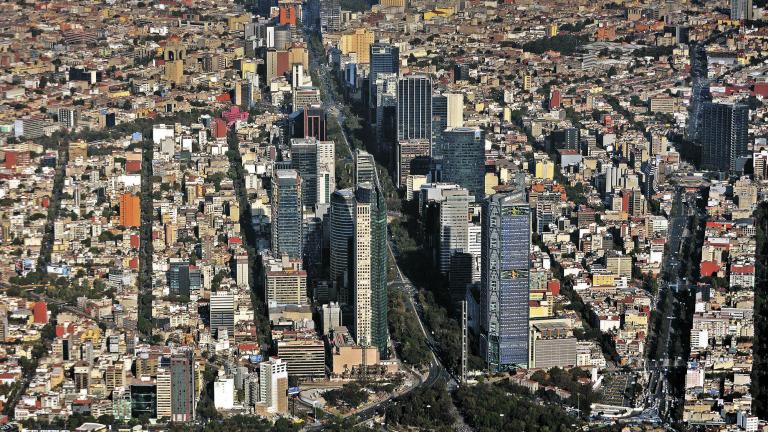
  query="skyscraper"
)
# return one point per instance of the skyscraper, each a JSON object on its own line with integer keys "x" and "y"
{"x": 724, "y": 135}
{"x": 326, "y": 171}
{"x": 439, "y": 115}
{"x": 370, "y": 260}
{"x": 273, "y": 385}
{"x": 304, "y": 161}
{"x": 183, "y": 391}
{"x": 365, "y": 167}
{"x": 342, "y": 231}
{"x": 505, "y": 280}
{"x": 454, "y": 226}
{"x": 287, "y": 213}
{"x": 384, "y": 110}
{"x": 222, "y": 313}
{"x": 414, "y": 107}
{"x": 700, "y": 93}
{"x": 741, "y": 9}
{"x": 460, "y": 159}
{"x": 384, "y": 58}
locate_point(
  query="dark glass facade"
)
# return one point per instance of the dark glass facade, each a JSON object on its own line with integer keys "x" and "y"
{"x": 287, "y": 214}
{"x": 505, "y": 281}
{"x": 724, "y": 135}
{"x": 414, "y": 108}
{"x": 460, "y": 159}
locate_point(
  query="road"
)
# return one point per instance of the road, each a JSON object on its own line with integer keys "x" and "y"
{"x": 660, "y": 398}
{"x": 436, "y": 371}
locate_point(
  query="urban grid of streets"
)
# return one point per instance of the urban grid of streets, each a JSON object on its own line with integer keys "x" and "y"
{"x": 175, "y": 253}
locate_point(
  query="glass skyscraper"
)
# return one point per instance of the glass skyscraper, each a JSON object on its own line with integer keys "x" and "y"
{"x": 439, "y": 115}
{"x": 505, "y": 282}
{"x": 342, "y": 231}
{"x": 304, "y": 160}
{"x": 460, "y": 158}
{"x": 287, "y": 214}
{"x": 414, "y": 108}
{"x": 384, "y": 58}
{"x": 724, "y": 135}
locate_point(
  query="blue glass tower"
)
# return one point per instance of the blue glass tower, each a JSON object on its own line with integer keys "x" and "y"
{"x": 505, "y": 283}
{"x": 287, "y": 218}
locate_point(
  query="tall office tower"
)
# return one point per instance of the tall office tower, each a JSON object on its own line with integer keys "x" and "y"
{"x": 304, "y": 161}
{"x": 273, "y": 385}
{"x": 222, "y": 313}
{"x": 724, "y": 136}
{"x": 326, "y": 171}
{"x": 460, "y": 158}
{"x": 365, "y": 167}
{"x": 384, "y": 58}
{"x": 460, "y": 276}
{"x": 163, "y": 397}
{"x": 183, "y": 391}
{"x": 130, "y": 210}
{"x": 287, "y": 215}
{"x": 341, "y": 235}
{"x": 312, "y": 246}
{"x": 700, "y": 93}
{"x": 285, "y": 281}
{"x": 414, "y": 107}
{"x": 407, "y": 151}
{"x": 505, "y": 280}
{"x": 455, "y": 109}
{"x": 241, "y": 270}
{"x": 454, "y": 226}
{"x": 384, "y": 109}
{"x": 370, "y": 262}
{"x": 330, "y": 15}
{"x": 439, "y": 115}
{"x": 314, "y": 160}
{"x": 741, "y": 9}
